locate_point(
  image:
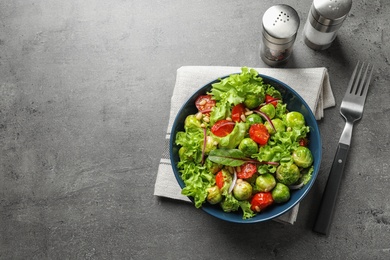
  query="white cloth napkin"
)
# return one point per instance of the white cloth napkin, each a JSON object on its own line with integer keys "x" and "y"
{"x": 311, "y": 83}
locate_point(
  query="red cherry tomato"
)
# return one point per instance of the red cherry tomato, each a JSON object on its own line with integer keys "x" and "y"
{"x": 271, "y": 99}
{"x": 259, "y": 134}
{"x": 219, "y": 179}
{"x": 261, "y": 200}
{"x": 247, "y": 171}
{"x": 237, "y": 112}
{"x": 222, "y": 128}
{"x": 303, "y": 142}
{"x": 205, "y": 103}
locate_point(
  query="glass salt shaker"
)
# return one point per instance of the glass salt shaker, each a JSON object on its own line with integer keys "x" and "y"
{"x": 280, "y": 26}
{"x": 323, "y": 22}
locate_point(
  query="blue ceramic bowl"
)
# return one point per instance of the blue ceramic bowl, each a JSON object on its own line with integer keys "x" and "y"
{"x": 294, "y": 103}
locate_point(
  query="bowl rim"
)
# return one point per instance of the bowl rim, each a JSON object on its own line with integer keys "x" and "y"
{"x": 215, "y": 210}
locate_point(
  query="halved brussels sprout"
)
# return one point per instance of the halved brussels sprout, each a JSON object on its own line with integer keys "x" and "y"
{"x": 211, "y": 144}
{"x": 214, "y": 195}
{"x": 281, "y": 193}
{"x": 248, "y": 146}
{"x": 268, "y": 109}
{"x": 253, "y": 119}
{"x": 252, "y": 101}
{"x": 242, "y": 190}
{"x": 287, "y": 173}
{"x": 278, "y": 124}
{"x": 302, "y": 157}
{"x": 227, "y": 180}
{"x": 212, "y": 166}
{"x": 265, "y": 182}
{"x": 295, "y": 119}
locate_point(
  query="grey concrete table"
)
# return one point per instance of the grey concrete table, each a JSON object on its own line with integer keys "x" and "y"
{"x": 85, "y": 91}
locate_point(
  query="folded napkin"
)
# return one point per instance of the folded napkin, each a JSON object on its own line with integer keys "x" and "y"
{"x": 312, "y": 84}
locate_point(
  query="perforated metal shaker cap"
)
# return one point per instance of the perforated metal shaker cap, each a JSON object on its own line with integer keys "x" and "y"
{"x": 280, "y": 24}
{"x": 330, "y": 12}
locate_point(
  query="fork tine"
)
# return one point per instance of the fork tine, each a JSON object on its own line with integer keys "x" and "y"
{"x": 364, "y": 90}
{"x": 358, "y": 80}
{"x": 352, "y": 80}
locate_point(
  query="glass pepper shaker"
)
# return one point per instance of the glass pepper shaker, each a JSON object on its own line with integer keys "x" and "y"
{"x": 323, "y": 22}
{"x": 280, "y": 26}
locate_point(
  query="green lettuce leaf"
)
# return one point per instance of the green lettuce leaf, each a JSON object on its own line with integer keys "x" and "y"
{"x": 197, "y": 179}
{"x": 307, "y": 174}
{"x": 246, "y": 209}
{"x": 220, "y": 111}
{"x": 191, "y": 144}
{"x": 230, "y": 203}
{"x": 234, "y": 138}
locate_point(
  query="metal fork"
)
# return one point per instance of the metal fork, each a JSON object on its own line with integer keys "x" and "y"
{"x": 352, "y": 110}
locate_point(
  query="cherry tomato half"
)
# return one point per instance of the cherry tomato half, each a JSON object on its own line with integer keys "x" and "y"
{"x": 219, "y": 179}
{"x": 259, "y": 134}
{"x": 237, "y": 112}
{"x": 261, "y": 200}
{"x": 247, "y": 171}
{"x": 205, "y": 103}
{"x": 222, "y": 128}
{"x": 271, "y": 99}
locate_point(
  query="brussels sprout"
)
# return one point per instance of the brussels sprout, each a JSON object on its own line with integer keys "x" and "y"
{"x": 295, "y": 119}
{"x": 227, "y": 180}
{"x": 287, "y": 173}
{"x": 248, "y": 146}
{"x": 302, "y": 157}
{"x": 281, "y": 193}
{"x": 253, "y": 119}
{"x": 242, "y": 190}
{"x": 265, "y": 182}
{"x": 211, "y": 144}
{"x": 278, "y": 124}
{"x": 268, "y": 109}
{"x": 252, "y": 101}
{"x": 191, "y": 122}
{"x": 214, "y": 195}
{"x": 212, "y": 166}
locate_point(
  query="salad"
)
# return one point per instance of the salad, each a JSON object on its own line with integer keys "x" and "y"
{"x": 243, "y": 150}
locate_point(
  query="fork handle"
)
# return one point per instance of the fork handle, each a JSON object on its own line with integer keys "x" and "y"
{"x": 328, "y": 202}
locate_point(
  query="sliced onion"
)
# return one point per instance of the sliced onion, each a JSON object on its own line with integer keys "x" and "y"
{"x": 264, "y": 115}
{"x": 268, "y": 102}
{"x": 206, "y": 111}
{"x": 272, "y": 100}
{"x": 225, "y": 124}
{"x": 296, "y": 187}
{"x": 233, "y": 181}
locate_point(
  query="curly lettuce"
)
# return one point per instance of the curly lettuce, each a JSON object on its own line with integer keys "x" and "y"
{"x": 234, "y": 89}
